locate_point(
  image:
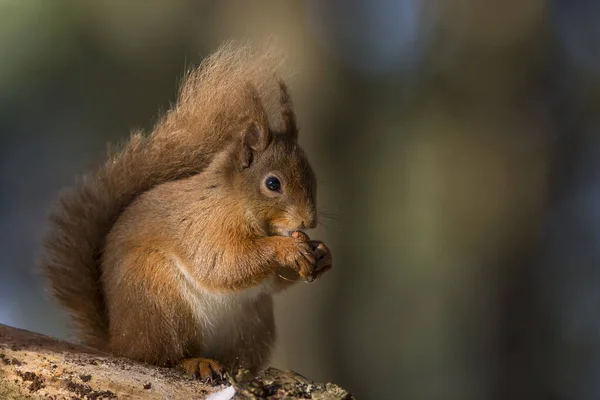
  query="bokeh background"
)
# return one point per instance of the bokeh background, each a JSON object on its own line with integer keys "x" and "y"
{"x": 457, "y": 148}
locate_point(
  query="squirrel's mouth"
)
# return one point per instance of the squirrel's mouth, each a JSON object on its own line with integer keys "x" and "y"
{"x": 284, "y": 231}
{"x": 286, "y": 226}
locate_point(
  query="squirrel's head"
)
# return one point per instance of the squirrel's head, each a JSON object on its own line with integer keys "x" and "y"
{"x": 271, "y": 172}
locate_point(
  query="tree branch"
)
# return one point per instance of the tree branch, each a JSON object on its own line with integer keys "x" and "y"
{"x": 34, "y": 366}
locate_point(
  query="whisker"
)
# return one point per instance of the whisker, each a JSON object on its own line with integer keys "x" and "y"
{"x": 326, "y": 213}
{"x": 330, "y": 217}
{"x": 324, "y": 224}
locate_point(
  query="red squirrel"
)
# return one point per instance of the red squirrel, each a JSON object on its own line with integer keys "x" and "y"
{"x": 169, "y": 253}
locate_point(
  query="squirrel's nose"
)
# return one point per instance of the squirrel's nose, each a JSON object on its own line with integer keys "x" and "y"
{"x": 309, "y": 223}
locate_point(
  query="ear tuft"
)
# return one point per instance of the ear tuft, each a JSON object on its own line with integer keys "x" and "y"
{"x": 287, "y": 110}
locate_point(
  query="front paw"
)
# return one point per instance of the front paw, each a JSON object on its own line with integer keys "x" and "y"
{"x": 300, "y": 257}
{"x": 320, "y": 260}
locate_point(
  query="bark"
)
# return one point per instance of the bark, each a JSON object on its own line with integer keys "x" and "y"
{"x": 34, "y": 366}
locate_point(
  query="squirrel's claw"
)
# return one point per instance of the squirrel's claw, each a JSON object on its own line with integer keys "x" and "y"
{"x": 323, "y": 256}
{"x": 205, "y": 369}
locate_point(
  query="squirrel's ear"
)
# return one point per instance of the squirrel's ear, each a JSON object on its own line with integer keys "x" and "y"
{"x": 255, "y": 139}
{"x": 256, "y": 136}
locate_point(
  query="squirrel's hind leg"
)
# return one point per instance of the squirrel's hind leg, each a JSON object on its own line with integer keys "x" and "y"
{"x": 149, "y": 320}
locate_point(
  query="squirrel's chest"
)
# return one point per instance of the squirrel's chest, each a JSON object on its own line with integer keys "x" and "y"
{"x": 228, "y": 321}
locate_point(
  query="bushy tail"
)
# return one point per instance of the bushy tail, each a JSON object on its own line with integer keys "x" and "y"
{"x": 210, "y": 107}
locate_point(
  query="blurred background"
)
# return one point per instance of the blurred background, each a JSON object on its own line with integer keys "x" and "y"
{"x": 457, "y": 148}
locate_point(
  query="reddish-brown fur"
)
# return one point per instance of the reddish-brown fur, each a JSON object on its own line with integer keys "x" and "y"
{"x": 172, "y": 248}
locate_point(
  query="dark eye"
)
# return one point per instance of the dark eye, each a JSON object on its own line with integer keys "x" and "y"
{"x": 273, "y": 184}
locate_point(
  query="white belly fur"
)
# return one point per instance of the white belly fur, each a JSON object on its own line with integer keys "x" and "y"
{"x": 223, "y": 317}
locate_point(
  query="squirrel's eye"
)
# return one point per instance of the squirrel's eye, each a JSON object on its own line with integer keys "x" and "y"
{"x": 273, "y": 184}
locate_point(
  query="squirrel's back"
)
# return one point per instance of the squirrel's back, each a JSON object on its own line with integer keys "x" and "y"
{"x": 211, "y": 107}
